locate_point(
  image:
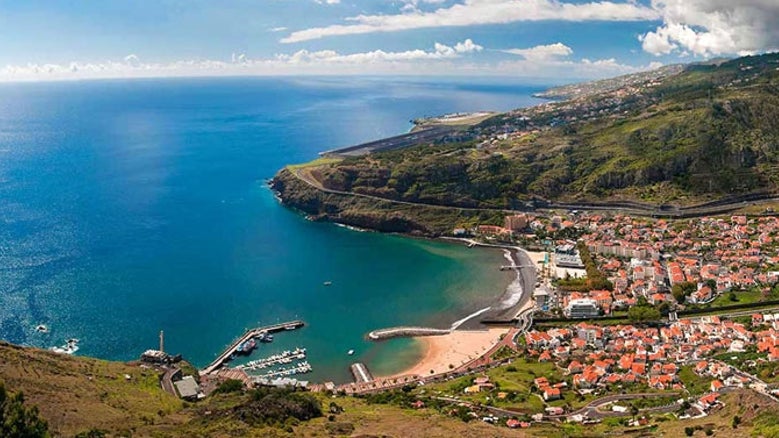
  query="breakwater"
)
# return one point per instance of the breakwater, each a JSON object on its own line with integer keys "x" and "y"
{"x": 249, "y": 334}
{"x": 399, "y": 332}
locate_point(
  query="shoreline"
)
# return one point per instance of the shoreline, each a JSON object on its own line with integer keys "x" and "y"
{"x": 445, "y": 353}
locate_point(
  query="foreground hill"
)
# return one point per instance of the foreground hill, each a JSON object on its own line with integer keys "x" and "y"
{"x": 681, "y": 137}
{"x": 92, "y": 398}
{"x": 78, "y": 395}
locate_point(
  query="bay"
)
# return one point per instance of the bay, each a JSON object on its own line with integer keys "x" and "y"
{"x": 130, "y": 207}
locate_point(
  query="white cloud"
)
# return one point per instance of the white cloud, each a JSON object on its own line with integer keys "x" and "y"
{"x": 566, "y": 68}
{"x": 714, "y": 27}
{"x": 278, "y": 29}
{"x": 301, "y": 62}
{"x": 553, "y": 60}
{"x": 477, "y": 12}
{"x": 441, "y": 51}
{"x": 467, "y": 46}
{"x": 413, "y": 5}
{"x": 328, "y": 2}
{"x": 457, "y": 59}
{"x": 132, "y": 59}
{"x": 544, "y": 52}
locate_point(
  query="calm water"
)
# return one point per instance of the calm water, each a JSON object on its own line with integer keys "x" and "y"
{"x": 137, "y": 206}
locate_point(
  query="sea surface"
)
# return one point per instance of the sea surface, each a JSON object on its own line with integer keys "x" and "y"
{"x": 130, "y": 207}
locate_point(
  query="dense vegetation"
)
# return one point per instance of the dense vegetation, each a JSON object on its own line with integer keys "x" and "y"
{"x": 18, "y": 420}
{"x": 270, "y": 406}
{"x": 706, "y": 132}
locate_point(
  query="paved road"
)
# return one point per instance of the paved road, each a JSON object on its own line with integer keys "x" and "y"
{"x": 590, "y": 410}
{"x": 304, "y": 176}
{"x": 167, "y": 381}
{"x": 682, "y": 212}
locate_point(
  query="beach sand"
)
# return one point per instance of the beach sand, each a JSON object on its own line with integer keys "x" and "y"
{"x": 536, "y": 256}
{"x": 455, "y": 348}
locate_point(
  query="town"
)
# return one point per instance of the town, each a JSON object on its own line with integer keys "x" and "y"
{"x": 681, "y": 311}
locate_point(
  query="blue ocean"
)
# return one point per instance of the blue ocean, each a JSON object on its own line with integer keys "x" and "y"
{"x": 130, "y": 207}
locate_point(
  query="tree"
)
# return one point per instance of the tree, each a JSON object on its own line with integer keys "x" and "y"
{"x": 736, "y": 421}
{"x": 18, "y": 421}
{"x": 633, "y": 411}
{"x": 682, "y": 290}
{"x": 228, "y": 386}
{"x": 643, "y": 314}
{"x": 689, "y": 431}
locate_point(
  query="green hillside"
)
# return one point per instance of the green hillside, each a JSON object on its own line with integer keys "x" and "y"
{"x": 85, "y": 397}
{"x": 696, "y": 135}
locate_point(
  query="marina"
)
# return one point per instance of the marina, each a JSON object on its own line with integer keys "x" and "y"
{"x": 237, "y": 346}
{"x": 285, "y": 357}
{"x": 301, "y": 368}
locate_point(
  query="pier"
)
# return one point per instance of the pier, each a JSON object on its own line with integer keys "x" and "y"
{"x": 360, "y": 373}
{"x": 515, "y": 267}
{"x": 219, "y": 361}
{"x": 397, "y": 332}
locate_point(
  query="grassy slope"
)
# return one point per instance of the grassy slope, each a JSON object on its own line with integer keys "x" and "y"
{"x": 76, "y": 394}
{"x": 707, "y": 132}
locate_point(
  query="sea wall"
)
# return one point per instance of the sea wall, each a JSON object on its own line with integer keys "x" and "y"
{"x": 405, "y": 332}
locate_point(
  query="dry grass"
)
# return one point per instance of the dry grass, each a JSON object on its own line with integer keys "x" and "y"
{"x": 77, "y": 394}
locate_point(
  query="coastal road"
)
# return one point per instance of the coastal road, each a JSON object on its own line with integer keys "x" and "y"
{"x": 306, "y": 177}
{"x": 635, "y": 210}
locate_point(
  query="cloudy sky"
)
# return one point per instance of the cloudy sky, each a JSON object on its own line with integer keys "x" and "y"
{"x": 534, "y": 39}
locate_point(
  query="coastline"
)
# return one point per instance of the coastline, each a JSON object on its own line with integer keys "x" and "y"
{"x": 448, "y": 352}
{"x": 444, "y": 353}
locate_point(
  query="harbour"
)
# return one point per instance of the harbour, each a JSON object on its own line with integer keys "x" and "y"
{"x": 216, "y": 249}
{"x": 249, "y": 335}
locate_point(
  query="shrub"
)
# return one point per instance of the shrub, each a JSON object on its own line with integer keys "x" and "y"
{"x": 18, "y": 421}
{"x": 228, "y": 386}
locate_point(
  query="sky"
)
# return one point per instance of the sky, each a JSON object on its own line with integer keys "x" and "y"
{"x": 533, "y": 40}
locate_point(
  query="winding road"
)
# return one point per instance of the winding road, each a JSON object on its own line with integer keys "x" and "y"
{"x": 636, "y": 209}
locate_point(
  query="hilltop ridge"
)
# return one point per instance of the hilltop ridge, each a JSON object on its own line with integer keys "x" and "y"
{"x": 674, "y": 138}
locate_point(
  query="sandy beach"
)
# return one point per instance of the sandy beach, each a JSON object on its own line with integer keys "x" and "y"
{"x": 536, "y": 256}
{"x": 455, "y": 348}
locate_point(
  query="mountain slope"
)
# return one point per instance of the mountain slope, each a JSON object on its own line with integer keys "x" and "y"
{"x": 706, "y": 132}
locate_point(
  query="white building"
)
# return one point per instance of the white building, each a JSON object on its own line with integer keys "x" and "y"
{"x": 582, "y": 308}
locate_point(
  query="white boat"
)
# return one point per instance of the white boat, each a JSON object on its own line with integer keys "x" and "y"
{"x": 327, "y": 283}
{"x": 42, "y": 329}
{"x": 351, "y": 352}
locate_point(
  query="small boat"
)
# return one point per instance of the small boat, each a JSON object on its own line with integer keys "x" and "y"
{"x": 246, "y": 347}
{"x": 268, "y": 338}
{"x": 327, "y": 283}
{"x": 42, "y": 329}
{"x": 350, "y": 352}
